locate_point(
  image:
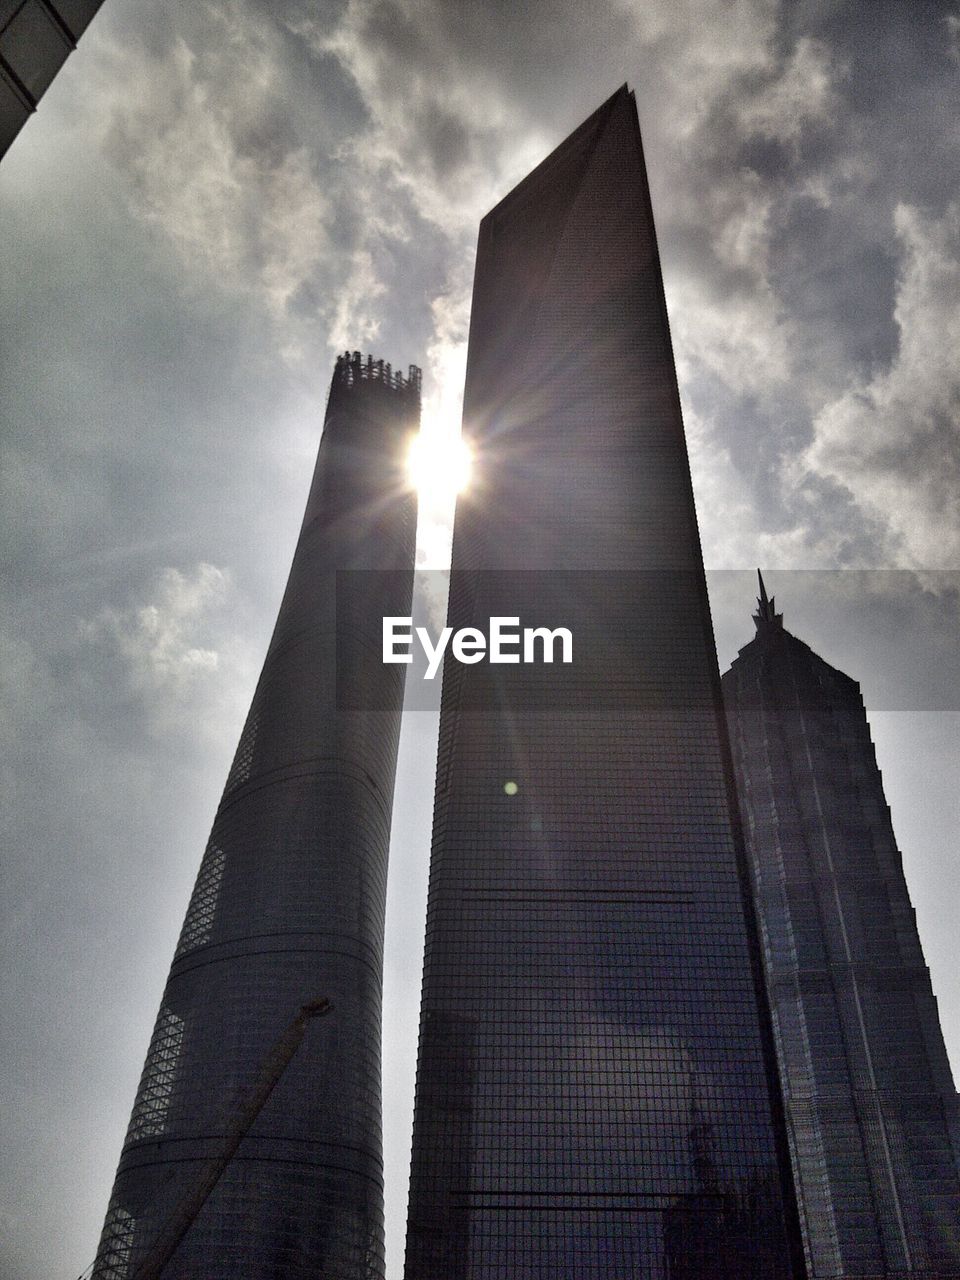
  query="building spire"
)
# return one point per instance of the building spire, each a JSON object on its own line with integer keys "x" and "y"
{"x": 766, "y": 615}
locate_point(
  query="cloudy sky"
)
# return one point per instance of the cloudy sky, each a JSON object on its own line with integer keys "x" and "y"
{"x": 218, "y": 195}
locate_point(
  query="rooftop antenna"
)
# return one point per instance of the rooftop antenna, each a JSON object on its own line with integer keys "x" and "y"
{"x": 766, "y": 615}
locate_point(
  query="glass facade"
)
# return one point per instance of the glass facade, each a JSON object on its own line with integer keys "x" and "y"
{"x": 596, "y": 1089}
{"x": 870, "y": 1100}
{"x": 36, "y": 38}
{"x": 289, "y": 905}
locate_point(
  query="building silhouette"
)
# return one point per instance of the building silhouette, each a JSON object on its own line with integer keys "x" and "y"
{"x": 36, "y": 38}
{"x": 289, "y": 904}
{"x": 596, "y": 1087}
{"x": 871, "y": 1106}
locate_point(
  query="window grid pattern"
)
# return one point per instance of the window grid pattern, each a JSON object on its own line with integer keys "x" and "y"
{"x": 116, "y": 1244}
{"x": 198, "y": 923}
{"x": 869, "y": 1094}
{"x": 157, "y": 1081}
{"x": 243, "y": 760}
{"x": 594, "y": 1087}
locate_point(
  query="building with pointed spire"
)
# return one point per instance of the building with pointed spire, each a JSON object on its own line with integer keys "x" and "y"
{"x": 870, "y": 1100}
{"x": 596, "y": 1087}
{"x": 289, "y": 906}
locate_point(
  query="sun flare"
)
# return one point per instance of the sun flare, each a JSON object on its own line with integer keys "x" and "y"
{"x": 439, "y": 465}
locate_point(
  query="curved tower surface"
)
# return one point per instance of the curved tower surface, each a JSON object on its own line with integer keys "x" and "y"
{"x": 596, "y": 1088}
{"x": 872, "y": 1111}
{"x": 289, "y": 904}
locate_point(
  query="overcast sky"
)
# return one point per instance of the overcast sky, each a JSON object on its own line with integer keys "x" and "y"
{"x": 216, "y": 197}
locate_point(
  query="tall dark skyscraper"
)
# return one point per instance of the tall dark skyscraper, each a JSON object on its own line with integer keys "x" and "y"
{"x": 289, "y": 904}
{"x": 596, "y": 1089}
{"x": 36, "y": 38}
{"x": 870, "y": 1101}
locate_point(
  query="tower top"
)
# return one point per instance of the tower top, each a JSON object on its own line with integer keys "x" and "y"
{"x": 766, "y": 617}
{"x": 352, "y": 369}
{"x": 564, "y": 165}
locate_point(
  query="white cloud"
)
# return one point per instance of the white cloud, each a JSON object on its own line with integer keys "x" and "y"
{"x": 729, "y": 318}
{"x": 952, "y": 24}
{"x": 702, "y": 48}
{"x": 263, "y": 190}
{"x": 251, "y": 216}
{"x": 802, "y": 93}
{"x": 164, "y": 646}
{"x": 731, "y": 531}
{"x": 746, "y": 339}
{"x": 438, "y": 127}
{"x": 355, "y": 320}
{"x": 893, "y": 440}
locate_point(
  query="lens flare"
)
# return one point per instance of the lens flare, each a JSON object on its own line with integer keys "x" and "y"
{"x": 438, "y": 465}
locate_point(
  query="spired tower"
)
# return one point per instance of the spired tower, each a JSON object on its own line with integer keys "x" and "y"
{"x": 870, "y": 1100}
{"x": 289, "y": 904}
{"x": 596, "y": 1090}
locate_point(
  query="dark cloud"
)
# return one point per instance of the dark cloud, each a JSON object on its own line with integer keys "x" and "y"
{"x": 216, "y": 197}
{"x": 841, "y": 289}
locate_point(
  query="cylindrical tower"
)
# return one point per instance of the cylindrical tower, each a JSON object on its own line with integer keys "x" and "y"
{"x": 289, "y": 903}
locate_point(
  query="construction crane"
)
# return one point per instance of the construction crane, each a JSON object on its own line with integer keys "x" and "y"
{"x": 184, "y": 1214}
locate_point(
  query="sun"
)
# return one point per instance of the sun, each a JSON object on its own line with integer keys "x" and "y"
{"x": 438, "y": 465}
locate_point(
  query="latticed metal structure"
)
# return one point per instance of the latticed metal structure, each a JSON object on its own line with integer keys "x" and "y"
{"x": 289, "y": 902}
{"x": 871, "y": 1107}
{"x": 596, "y": 1089}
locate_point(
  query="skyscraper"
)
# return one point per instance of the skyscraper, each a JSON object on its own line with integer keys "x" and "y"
{"x": 289, "y": 903}
{"x": 596, "y": 1089}
{"x": 36, "y": 38}
{"x": 870, "y": 1101}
